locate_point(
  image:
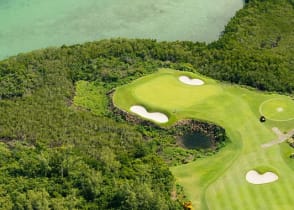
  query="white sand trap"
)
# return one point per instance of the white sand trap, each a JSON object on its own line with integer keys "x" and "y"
{"x": 155, "y": 116}
{"x": 254, "y": 177}
{"x": 188, "y": 81}
{"x": 280, "y": 109}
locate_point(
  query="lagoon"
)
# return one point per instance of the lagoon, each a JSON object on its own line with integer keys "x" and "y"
{"x": 26, "y": 25}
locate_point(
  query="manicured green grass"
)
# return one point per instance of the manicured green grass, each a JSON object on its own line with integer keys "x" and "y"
{"x": 278, "y": 109}
{"x": 164, "y": 92}
{"x": 218, "y": 182}
{"x": 161, "y": 92}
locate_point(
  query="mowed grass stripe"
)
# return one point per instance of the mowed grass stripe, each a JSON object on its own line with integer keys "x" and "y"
{"x": 243, "y": 193}
{"x": 286, "y": 193}
{"x": 229, "y": 196}
{"x": 262, "y": 195}
{"x": 226, "y": 201}
{"x": 276, "y": 193}
{"x": 203, "y": 174}
{"x": 233, "y": 191}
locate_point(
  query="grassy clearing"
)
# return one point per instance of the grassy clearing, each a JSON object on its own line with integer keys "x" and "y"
{"x": 91, "y": 97}
{"x": 218, "y": 182}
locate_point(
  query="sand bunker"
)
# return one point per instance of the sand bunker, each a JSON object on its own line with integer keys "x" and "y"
{"x": 188, "y": 81}
{"x": 254, "y": 177}
{"x": 155, "y": 116}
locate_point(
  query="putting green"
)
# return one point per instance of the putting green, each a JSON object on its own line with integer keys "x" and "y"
{"x": 167, "y": 92}
{"x": 278, "y": 109}
{"x": 163, "y": 91}
{"x": 219, "y": 181}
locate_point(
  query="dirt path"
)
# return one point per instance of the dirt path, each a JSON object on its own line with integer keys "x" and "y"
{"x": 281, "y": 137}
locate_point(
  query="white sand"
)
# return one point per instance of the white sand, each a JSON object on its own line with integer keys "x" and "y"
{"x": 188, "y": 81}
{"x": 254, "y": 177}
{"x": 155, "y": 116}
{"x": 280, "y": 109}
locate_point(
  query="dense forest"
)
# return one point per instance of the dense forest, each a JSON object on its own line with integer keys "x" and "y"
{"x": 59, "y": 153}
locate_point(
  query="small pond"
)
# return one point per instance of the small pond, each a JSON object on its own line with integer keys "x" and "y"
{"x": 194, "y": 141}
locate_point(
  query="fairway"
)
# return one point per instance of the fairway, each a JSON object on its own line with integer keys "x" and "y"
{"x": 219, "y": 182}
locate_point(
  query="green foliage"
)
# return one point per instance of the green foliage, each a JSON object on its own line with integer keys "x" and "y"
{"x": 256, "y": 48}
{"x": 16, "y": 79}
{"x": 77, "y": 160}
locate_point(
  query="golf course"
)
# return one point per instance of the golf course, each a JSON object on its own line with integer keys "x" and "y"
{"x": 243, "y": 173}
{"x": 147, "y": 105}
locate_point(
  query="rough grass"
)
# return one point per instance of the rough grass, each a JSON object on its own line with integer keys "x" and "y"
{"x": 218, "y": 182}
{"x": 286, "y": 151}
{"x": 90, "y": 97}
{"x": 264, "y": 169}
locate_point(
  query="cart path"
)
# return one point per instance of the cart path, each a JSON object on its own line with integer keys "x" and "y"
{"x": 281, "y": 137}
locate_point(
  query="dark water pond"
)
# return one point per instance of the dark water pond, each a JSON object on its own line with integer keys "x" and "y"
{"x": 194, "y": 141}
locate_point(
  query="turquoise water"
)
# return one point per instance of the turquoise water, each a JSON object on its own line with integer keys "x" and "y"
{"x": 31, "y": 24}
